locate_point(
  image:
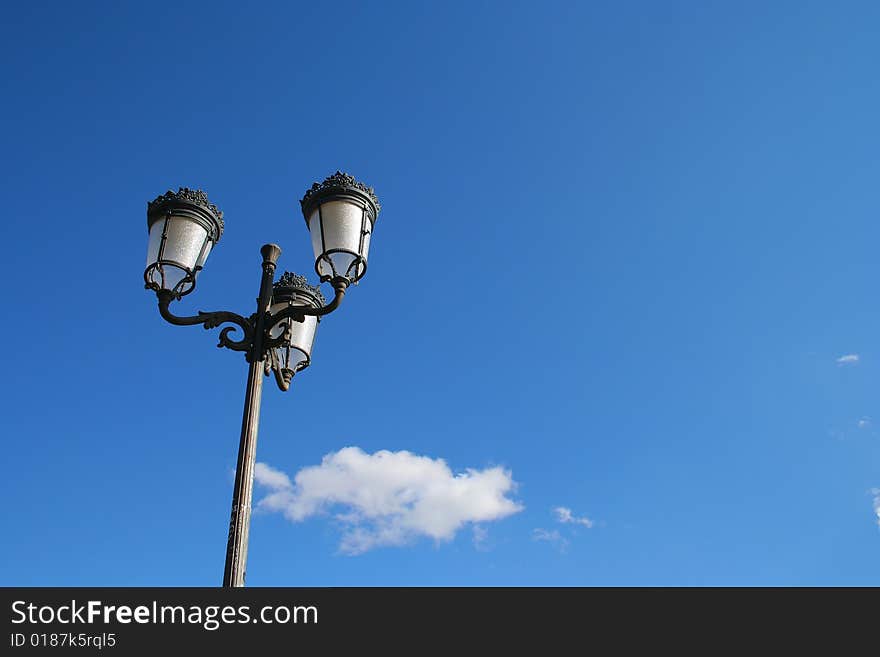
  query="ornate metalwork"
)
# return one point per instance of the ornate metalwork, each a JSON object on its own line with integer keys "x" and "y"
{"x": 183, "y": 287}
{"x": 291, "y": 287}
{"x": 256, "y": 342}
{"x": 339, "y": 182}
{"x": 211, "y": 320}
{"x": 283, "y": 375}
{"x": 298, "y": 313}
{"x": 192, "y": 196}
{"x": 300, "y": 283}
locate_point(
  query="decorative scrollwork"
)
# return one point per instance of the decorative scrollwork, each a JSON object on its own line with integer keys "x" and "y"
{"x": 289, "y": 279}
{"x": 212, "y": 320}
{"x": 291, "y": 285}
{"x": 282, "y": 339}
{"x": 340, "y": 182}
{"x": 186, "y": 195}
{"x": 236, "y": 345}
{"x": 248, "y": 326}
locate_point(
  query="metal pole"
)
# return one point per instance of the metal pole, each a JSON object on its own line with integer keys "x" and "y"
{"x": 240, "y": 518}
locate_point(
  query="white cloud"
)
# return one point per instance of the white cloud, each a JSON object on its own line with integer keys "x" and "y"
{"x": 565, "y": 516}
{"x": 389, "y": 498}
{"x": 848, "y": 359}
{"x": 864, "y": 422}
{"x": 539, "y": 534}
{"x": 876, "y": 502}
{"x": 553, "y": 537}
{"x": 270, "y": 477}
{"x": 481, "y": 538}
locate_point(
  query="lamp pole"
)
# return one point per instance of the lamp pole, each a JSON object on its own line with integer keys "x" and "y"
{"x": 184, "y": 227}
{"x": 242, "y": 495}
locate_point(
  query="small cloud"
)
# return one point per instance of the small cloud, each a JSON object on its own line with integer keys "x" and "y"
{"x": 539, "y": 534}
{"x": 481, "y": 538}
{"x": 389, "y": 498}
{"x": 565, "y": 516}
{"x": 553, "y": 537}
{"x": 876, "y": 503}
{"x": 864, "y": 422}
{"x": 270, "y": 477}
{"x": 848, "y": 359}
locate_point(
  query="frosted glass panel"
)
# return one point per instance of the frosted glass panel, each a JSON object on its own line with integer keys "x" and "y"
{"x": 184, "y": 242}
{"x": 342, "y": 226}
{"x": 204, "y": 257}
{"x": 155, "y": 241}
{"x": 367, "y": 241}
{"x": 342, "y": 223}
{"x": 315, "y": 231}
{"x": 302, "y": 333}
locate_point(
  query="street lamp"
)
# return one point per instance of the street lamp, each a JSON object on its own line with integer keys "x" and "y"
{"x": 294, "y": 351}
{"x": 183, "y": 228}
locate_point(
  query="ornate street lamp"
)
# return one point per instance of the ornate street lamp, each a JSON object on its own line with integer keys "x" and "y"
{"x": 294, "y": 338}
{"x": 340, "y": 213}
{"x": 183, "y": 228}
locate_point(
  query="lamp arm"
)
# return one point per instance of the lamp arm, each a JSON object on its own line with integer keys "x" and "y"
{"x": 209, "y": 321}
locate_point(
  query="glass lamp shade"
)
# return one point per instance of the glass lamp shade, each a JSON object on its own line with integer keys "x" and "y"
{"x": 340, "y": 214}
{"x": 183, "y": 227}
{"x": 295, "y": 352}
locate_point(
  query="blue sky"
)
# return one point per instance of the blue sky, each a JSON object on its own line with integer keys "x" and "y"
{"x": 622, "y": 250}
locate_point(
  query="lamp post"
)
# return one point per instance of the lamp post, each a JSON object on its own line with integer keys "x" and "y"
{"x": 183, "y": 229}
